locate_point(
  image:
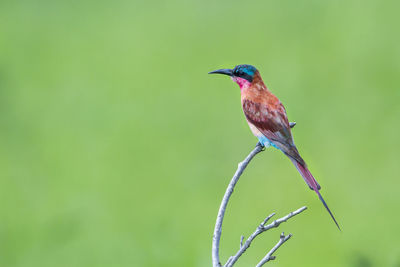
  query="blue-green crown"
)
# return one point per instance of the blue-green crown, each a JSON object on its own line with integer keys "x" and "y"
{"x": 245, "y": 71}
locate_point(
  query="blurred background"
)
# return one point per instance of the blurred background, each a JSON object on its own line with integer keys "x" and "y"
{"x": 116, "y": 147}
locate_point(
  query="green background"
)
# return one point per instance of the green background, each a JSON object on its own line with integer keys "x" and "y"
{"x": 116, "y": 146}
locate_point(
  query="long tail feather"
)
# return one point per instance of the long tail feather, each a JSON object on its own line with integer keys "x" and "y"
{"x": 306, "y": 174}
{"x": 327, "y": 208}
{"x": 313, "y": 184}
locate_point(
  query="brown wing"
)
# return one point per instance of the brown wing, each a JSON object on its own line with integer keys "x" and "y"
{"x": 272, "y": 122}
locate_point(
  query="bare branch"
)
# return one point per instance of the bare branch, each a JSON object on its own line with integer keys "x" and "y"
{"x": 221, "y": 212}
{"x": 218, "y": 225}
{"x": 269, "y": 256}
{"x": 260, "y": 229}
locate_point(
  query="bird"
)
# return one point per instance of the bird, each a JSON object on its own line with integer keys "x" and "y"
{"x": 268, "y": 120}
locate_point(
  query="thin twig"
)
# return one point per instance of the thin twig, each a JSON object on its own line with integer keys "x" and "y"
{"x": 260, "y": 229}
{"x": 269, "y": 256}
{"x": 218, "y": 225}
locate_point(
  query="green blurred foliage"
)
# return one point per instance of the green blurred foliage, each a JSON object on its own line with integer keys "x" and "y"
{"x": 116, "y": 146}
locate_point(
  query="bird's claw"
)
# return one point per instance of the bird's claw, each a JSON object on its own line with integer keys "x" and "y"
{"x": 292, "y": 124}
{"x": 261, "y": 145}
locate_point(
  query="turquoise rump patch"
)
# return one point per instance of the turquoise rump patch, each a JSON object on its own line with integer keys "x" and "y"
{"x": 266, "y": 142}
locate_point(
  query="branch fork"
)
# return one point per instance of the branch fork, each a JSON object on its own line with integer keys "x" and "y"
{"x": 263, "y": 227}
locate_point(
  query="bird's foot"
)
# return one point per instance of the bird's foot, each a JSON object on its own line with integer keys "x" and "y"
{"x": 292, "y": 124}
{"x": 261, "y": 145}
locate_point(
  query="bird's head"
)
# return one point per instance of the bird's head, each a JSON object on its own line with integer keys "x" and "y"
{"x": 243, "y": 75}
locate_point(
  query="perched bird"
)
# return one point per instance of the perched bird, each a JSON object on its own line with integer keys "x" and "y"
{"x": 268, "y": 121}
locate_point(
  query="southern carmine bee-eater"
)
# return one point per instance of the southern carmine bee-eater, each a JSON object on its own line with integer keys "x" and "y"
{"x": 268, "y": 121}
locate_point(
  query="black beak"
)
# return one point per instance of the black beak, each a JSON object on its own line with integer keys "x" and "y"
{"x": 228, "y": 72}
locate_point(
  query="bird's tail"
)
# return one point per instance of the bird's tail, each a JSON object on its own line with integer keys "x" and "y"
{"x": 313, "y": 184}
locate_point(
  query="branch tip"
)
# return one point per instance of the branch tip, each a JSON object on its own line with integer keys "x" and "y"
{"x": 267, "y": 219}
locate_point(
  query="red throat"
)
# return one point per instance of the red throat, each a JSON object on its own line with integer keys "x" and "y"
{"x": 243, "y": 83}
